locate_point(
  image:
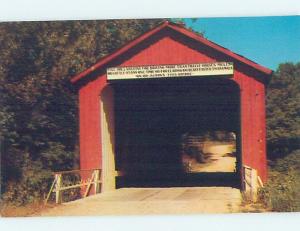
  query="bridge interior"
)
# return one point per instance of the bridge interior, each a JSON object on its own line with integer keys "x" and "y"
{"x": 162, "y": 126}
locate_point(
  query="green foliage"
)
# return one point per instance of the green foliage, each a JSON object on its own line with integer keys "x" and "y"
{"x": 193, "y": 20}
{"x": 283, "y": 110}
{"x": 282, "y": 192}
{"x": 283, "y": 125}
{"x": 38, "y": 113}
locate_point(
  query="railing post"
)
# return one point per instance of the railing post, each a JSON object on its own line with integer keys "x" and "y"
{"x": 96, "y": 181}
{"x": 254, "y": 185}
{"x": 247, "y": 181}
{"x": 58, "y": 194}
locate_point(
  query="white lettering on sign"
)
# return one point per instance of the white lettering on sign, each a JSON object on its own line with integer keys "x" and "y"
{"x": 165, "y": 71}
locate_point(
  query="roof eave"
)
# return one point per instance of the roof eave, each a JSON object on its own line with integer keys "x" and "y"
{"x": 120, "y": 51}
{"x": 179, "y": 29}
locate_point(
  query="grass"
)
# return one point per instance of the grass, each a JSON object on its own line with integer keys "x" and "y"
{"x": 30, "y": 209}
{"x": 282, "y": 192}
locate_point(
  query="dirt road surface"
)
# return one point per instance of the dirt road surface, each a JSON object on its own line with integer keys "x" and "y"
{"x": 153, "y": 201}
{"x": 219, "y": 159}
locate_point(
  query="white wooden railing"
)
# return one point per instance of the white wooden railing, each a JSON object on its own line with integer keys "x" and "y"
{"x": 251, "y": 182}
{"x": 83, "y": 179}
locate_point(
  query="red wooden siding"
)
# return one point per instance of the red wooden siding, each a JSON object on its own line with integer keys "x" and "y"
{"x": 172, "y": 48}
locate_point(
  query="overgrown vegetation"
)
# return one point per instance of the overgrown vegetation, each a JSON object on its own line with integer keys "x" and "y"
{"x": 38, "y": 112}
{"x": 283, "y": 110}
{"x": 282, "y": 192}
{"x": 283, "y": 125}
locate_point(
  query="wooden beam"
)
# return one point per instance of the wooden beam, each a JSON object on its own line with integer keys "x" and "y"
{"x": 57, "y": 185}
{"x": 58, "y": 194}
{"x": 50, "y": 191}
{"x": 96, "y": 180}
{"x": 89, "y": 185}
{"x": 254, "y": 185}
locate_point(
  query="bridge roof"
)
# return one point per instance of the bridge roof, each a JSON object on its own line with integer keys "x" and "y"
{"x": 103, "y": 62}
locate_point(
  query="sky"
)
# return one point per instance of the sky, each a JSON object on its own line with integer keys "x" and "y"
{"x": 268, "y": 41}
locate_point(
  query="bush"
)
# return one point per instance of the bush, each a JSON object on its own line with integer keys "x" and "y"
{"x": 281, "y": 193}
{"x": 38, "y": 113}
{"x": 31, "y": 186}
{"x": 36, "y": 178}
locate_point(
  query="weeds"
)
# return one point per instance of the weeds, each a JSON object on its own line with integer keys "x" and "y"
{"x": 282, "y": 192}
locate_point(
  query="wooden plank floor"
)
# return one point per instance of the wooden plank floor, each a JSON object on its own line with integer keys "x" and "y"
{"x": 151, "y": 201}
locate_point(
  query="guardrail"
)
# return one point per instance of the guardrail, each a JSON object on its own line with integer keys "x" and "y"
{"x": 66, "y": 180}
{"x": 251, "y": 182}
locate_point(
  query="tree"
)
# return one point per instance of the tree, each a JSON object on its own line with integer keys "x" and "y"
{"x": 283, "y": 110}
{"x": 38, "y": 104}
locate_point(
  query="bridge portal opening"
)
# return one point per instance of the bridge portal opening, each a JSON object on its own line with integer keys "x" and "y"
{"x": 177, "y": 132}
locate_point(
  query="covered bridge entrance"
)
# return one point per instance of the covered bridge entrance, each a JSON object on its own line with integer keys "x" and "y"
{"x": 157, "y": 111}
{"x": 162, "y": 126}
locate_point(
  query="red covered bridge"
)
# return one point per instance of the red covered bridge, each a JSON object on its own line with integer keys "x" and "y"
{"x": 137, "y": 103}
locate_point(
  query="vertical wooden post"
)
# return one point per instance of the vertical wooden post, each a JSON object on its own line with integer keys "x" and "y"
{"x": 108, "y": 172}
{"x": 58, "y": 194}
{"x": 254, "y": 185}
{"x": 96, "y": 181}
{"x": 247, "y": 181}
